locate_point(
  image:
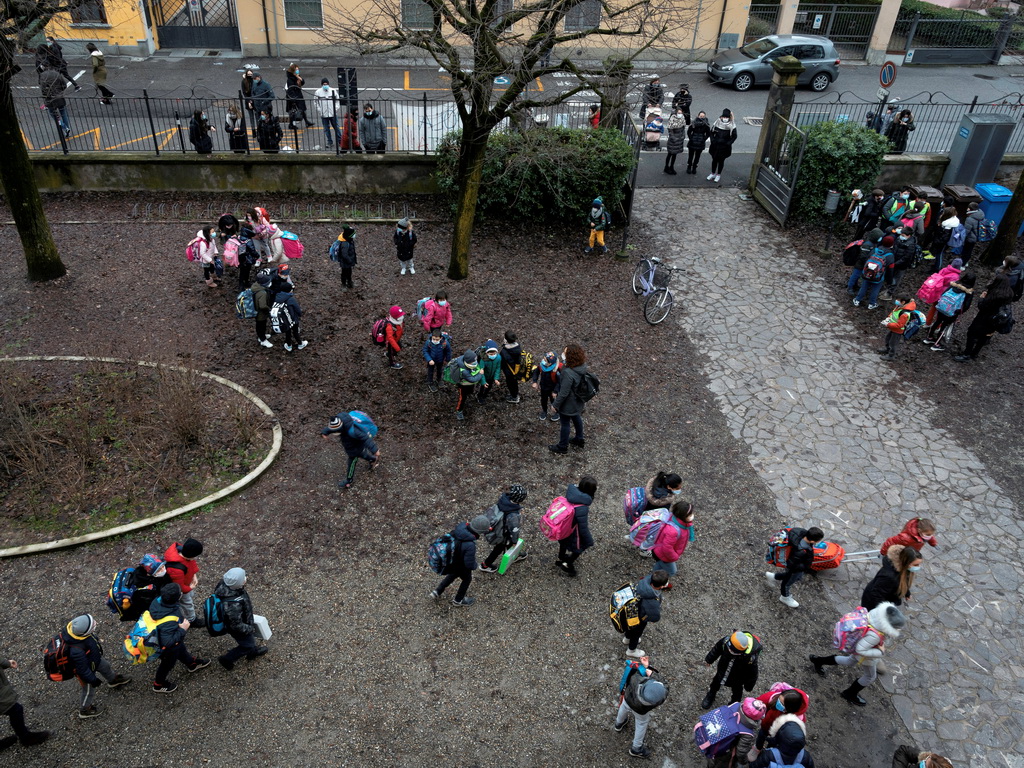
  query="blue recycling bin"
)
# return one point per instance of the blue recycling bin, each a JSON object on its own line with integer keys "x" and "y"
{"x": 995, "y": 199}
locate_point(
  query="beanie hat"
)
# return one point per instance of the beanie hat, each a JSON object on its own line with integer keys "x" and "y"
{"x": 753, "y": 709}
{"x": 325, "y": 81}
{"x": 549, "y": 361}
{"x": 396, "y": 312}
{"x": 597, "y": 201}
{"x": 191, "y": 548}
{"x": 403, "y": 223}
{"x": 877, "y": 191}
{"x": 263, "y": 279}
{"x": 739, "y": 641}
{"x": 234, "y": 578}
{"x": 335, "y": 423}
{"x": 888, "y": 241}
{"x": 956, "y": 263}
{"x": 170, "y": 594}
{"x": 469, "y": 358}
{"x": 81, "y": 626}
{"x": 480, "y": 524}
{"x": 652, "y": 692}
{"x": 150, "y": 563}
{"x": 726, "y": 114}
{"x": 491, "y": 344}
{"x": 895, "y": 617}
{"x": 347, "y": 231}
{"x": 875, "y": 235}
{"x": 284, "y": 270}
{"x": 516, "y": 494}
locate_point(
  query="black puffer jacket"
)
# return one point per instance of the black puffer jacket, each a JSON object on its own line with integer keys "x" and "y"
{"x": 735, "y": 669}
{"x": 170, "y": 633}
{"x": 632, "y": 690}
{"x": 237, "y": 609}
{"x": 699, "y": 133}
{"x": 85, "y": 653}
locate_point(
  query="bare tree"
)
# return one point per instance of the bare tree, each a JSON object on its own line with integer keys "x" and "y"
{"x": 20, "y": 22}
{"x": 477, "y": 41}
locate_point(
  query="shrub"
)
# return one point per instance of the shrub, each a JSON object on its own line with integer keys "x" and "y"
{"x": 545, "y": 175}
{"x": 841, "y": 156}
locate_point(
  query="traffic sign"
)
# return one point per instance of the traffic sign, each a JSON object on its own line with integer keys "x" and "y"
{"x": 882, "y": 94}
{"x": 887, "y": 74}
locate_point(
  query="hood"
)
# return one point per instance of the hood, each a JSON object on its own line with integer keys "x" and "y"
{"x": 910, "y": 306}
{"x": 223, "y": 590}
{"x": 158, "y": 610}
{"x": 949, "y": 272}
{"x": 462, "y": 533}
{"x": 951, "y": 222}
{"x": 878, "y": 619}
{"x": 875, "y": 235}
{"x": 199, "y": 234}
{"x": 979, "y": 214}
{"x": 644, "y": 588}
{"x": 506, "y": 505}
{"x": 893, "y": 554}
{"x": 789, "y": 734}
{"x": 576, "y": 496}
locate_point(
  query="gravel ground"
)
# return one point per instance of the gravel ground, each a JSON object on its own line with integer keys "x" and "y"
{"x": 364, "y": 668}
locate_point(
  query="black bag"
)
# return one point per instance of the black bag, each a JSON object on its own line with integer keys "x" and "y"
{"x": 587, "y": 387}
{"x": 1003, "y": 320}
{"x": 852, "y": 253}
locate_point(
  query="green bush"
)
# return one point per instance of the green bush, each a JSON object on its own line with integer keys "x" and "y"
{"x": 841, "y": 156}
{"x": 545, "y": 174}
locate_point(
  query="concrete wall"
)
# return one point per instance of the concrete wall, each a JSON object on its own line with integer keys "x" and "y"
{"x": 901, "y": 170}
{"x": 348, "y": 174}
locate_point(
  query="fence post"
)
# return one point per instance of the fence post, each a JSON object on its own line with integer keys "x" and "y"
{"x": 181, "y": 139}
{"x": 241, "y": 105}
{"x": 152, "y": 126}
{"x": 424, "y": 122}
{"x": 913, "y": 31}
{"x": 1002, "y": 38}
{"x": 974, "y": 103}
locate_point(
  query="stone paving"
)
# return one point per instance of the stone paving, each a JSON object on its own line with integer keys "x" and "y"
{"x": 793, "y": 386}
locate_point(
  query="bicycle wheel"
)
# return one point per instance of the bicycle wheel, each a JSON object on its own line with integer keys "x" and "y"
{"x": 643, "y": 270}
{"x": 657, "y": 306}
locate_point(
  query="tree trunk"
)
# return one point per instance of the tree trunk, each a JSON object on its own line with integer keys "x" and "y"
{"x": 1005, "y": 241}
{"x": 472, "y": 152}
{"x": 21, "y": 191}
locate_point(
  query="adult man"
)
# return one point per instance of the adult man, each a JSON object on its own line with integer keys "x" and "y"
{"x": 326, "y": 100}
{"x": 373, "y": 131}
{"x": 236, "y": 607}
{"x": 184, "y": 571}
{"x": 51, "y": 55}
{"x": 262, "y": 96}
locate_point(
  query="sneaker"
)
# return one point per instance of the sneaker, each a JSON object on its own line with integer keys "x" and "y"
{"x": 556, "y": 448}
{"x": 431, "y": 387}
{"x": 636, "y": 653}
{"x": 961, "y": 358}
{"x": 87, "y": 712}
{"x": 928, "y": 341}
{"x": 488, "y": 568}
{"x": 198, "y": 664}
{"x": 604, "y": 249}
{"x": 625, "y": 641}
{"x": 938, "y": 348}
{"x": 619, "y": 726}
{"x": 345, "y": 484}
{"x": 460, "y": 415}
{"x": 266, "y": 343}
{"x": 167, "y": 687}
{"x": 641, "y": 752}
{"x": 510, "y": 399}
{"x": 396, "y": 366}
{"x": 770, "y": 575}
{"x": 412, "y": 270}
{"x": 118, "y": 681}
{"x": 303, "y": 345}
{"x": 588, "y": 250}
{"x": 434, "y": 594}
{"x": 787, "y": 600}
{"x": 464, "y": 602}
{"x": 544, "y": 416}
{"x": 872, "y": 306}
{"x": 287, "y": 347}
{"x": 554, "y": 416}
{"x": 567, "y": 569}
{"x": 261, "y": 651}
{"x": 578, "y": 442}
{"x": 711, "y": 176}
{"x": 228, "y": 665}
{"x": 403, "y": 271}
{"x": 67, "y": 134}
{"x": 718, "y": 177}
{"x": 856, "y": 302}
{"x": 522, "y": 556}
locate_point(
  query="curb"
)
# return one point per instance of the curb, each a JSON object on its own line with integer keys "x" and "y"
{"x": 275, "y": 449}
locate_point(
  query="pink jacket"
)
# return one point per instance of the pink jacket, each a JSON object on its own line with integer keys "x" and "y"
{"x": 672, "y": 541}
{"x": 437, "y": 315}
{"x": 935, "y": 285}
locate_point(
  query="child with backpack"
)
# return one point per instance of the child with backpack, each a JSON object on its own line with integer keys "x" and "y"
{"x": 285, "y": 315}
{"x": 236, "y": 613}
{"x": 578, "y": 538}
{"x": 85, "y": 656}
{"x": 437, "y": 351}
{"x": 737, "y": 656}
{"x": 672, "y": 539}
{"x": 902, "y": 323}
{"x": 781, "y": 699}
{"x": 490, "y": 364}
{"x": 916, "y": 533}
{"x": 798, "y": 561}
{"x": 503, "y": 532}
{"x": 463, "y": 560}
{"x": 599, "y": 220}
{"x": 144, "y": 583}
{"x": 343, "y": 251}
{"x": 937, "y": 284}
{"x": 877, "y": 270}
{"x": 731, "y": 752}
{"x": 465, "y": 374}
{"x": 170, "y": 639}
{"x": 787, "y": 745}
{"x": 393, "y": 335}
{"x": 648, "y": 611}
{"x": 436, "y": 313}
{"x": 950, "y": 307}
{"x": 861, "y": 635}
{"x": 15, "y": 712}
{"x": 213, "y": 268}
{"x": 545, "y": 379}
{"x": 662, "y": 490}
{"x": 405, "y": 244}
{"x": 356, "y": 431}
{"x": 247, "y": 256}
{"x": 642, "y": 690}
{"x": 513, "y": 366}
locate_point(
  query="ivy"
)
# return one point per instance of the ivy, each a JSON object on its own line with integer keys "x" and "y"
{"x": 840, "y": 156}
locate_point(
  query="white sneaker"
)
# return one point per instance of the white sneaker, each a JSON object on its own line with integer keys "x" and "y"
{"x": 636, "y": 653}
{"x": 403, "y": 270}
{"x": 770, "y": 575}
{"x": 412, "y": 270}
{"x": 718, "y": 177}
{"x": 303, "y": 345}
{"x": 625, "y": 641}
{"x": 288, "y": 347}
{"x": 711, "y": 176}
{"x": 787, "y": 600}
{"x": 266, "y": 343}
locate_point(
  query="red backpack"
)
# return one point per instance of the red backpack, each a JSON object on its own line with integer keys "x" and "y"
{"x": 557, "y": 523}
{"x": 377, "y": 332}
{"x": 192, "y": 250}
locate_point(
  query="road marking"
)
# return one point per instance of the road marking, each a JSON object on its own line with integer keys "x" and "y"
{"x": 82, "y": 72}
{"x": 142, "y": 138}
{"x": 539, "y": 84}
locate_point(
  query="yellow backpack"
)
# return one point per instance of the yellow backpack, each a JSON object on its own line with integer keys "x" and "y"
{"x": 140, "y": 644}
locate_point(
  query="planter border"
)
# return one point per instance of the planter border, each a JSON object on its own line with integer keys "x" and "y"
{"x": 275, "y": 449}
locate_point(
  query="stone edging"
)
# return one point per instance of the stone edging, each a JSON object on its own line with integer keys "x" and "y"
{"x": 275, "y": 449}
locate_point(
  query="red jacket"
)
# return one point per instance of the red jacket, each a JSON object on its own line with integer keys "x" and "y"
{"x": 772, "y": 713}
{"x": 671, "y": 541}
{"x": 909, "y": 537}
{"x": 349, "y": 132}
{"x": 183, "y": 578}
{"x": 393, "y": 336}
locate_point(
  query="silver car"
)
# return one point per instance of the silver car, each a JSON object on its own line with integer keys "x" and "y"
{"x": 751, "y": 65}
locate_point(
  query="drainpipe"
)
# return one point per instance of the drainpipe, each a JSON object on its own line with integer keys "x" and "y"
{"x": 266, "y": 28}
{"x": 696, "y": 24}
{"x": 721, "y": 24}
{"x": 277, "y": 34}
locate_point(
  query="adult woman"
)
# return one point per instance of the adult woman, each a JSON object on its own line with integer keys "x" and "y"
{"x": 663, "y": 489}
{"x": 268, "y": 132}
{"x": 350, "y": 132}
{"x": 894, "y": 579}
{"x": 99, "y": 73}
{"x": 567, "y": 404}
{"x": 911, "y": 757}
{"x": 199, "y": 130}
{"x": 990, "y": 316}
{"x": 595, "y": 115}
{"x": 295, "y": 104}
{"x": 699, "y": 133}
{"x": 898, "y": 132}
{"x": 246, "y": 89}
{"x": 723, "y": 134}
{"x": 234, "y": 127}
{"x": 676, "y": 139}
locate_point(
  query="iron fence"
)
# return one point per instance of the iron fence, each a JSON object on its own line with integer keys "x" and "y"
{"x": 848, "y": 26}
{"x": 762, "y": 20}
{"x": 911, "y": 30}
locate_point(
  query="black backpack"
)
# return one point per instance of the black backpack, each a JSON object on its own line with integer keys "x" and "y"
{"x": 851, "y": 253}
{"x": 587, "y": 387}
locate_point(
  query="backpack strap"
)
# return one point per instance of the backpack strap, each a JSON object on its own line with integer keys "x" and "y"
{"x": 176, "y": 565}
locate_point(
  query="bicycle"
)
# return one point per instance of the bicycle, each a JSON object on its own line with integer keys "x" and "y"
{"x": 651, "y": 278}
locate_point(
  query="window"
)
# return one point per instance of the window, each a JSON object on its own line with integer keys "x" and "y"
{"x": 416, "y": 14}
{"x": 304, "y": 14}
{"x": 782, "y": 51}
{"x": 88, "y": 12}
{"x": 585, "y": 15}
{"x": 809, "y": 52}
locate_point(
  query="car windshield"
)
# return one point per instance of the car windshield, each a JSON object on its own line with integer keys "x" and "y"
{"x": 758, "y": 48}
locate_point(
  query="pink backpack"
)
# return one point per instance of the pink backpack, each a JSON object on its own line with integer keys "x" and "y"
{"x": 192, "y": 250}
{"x": 557, "y": 523}
{"x": 850, "y": 629}
{"x": 293, "y": 247}
{"x": 933, "y": 287}
{"x": 231, "y": 252}
{"x": 645, "y": 531}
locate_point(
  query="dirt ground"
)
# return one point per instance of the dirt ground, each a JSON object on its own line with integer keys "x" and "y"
{"x": 365, "y": 670}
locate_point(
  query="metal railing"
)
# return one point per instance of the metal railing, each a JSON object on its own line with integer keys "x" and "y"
{"x": 762, "y": 20}
{"x": 969, "y": 31}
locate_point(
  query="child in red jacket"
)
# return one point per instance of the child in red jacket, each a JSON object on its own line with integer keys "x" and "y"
{"x": 673, "y": 538}
{"x": 393, "y": 335}
{"x": 898, "y": 322}
{"x": 916, "y": 533}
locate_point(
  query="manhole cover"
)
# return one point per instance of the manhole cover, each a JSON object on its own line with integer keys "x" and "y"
{"x": 753, "y": 120}
{"x": 985, "y": 77}
{"x": 213, "y": 53}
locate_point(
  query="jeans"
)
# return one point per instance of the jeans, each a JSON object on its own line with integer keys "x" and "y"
{"x": 246, "y": 645}
{"x": 187, "y": 605}
{"x": 547, "y": 397}
{"x": 432, "y": 372}
{"x": 563, "y": 434}
{"x": 328, "y": 123}
{"x": 851, "y": 284}
{"x": 669, "y": 568}
{"x": 788, "y": 579}
{"x": 60, "y": 117}
{"x": 105, "y": 672}
{"x": 871, "y": 290}
{"x": 892, "y": 339}
{"x": 641, "y": 722}
{"x": 466, "y": 576}
{"x": 869, "y": 667}
{"x": 169, "y": 657}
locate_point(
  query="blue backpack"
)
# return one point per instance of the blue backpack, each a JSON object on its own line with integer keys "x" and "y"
{"x": 987, "y": 230}
{"x": 441, "y": 552}
{"x": 634, "y": 504}
{"x": 122, "y": 588}
{"x": 776, "y": 760}
{"x": 362, "y": 427}
{"x": 951, "y": 302}
{"x": 957, "y": 238}
{"x": 914, "y": 323}
{"x": 717, "y": 731}
{"x": 214, "y": 609}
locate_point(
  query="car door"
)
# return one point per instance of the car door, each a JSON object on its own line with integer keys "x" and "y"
{"x": 812, "y": 57}
{"x": 763, "y": 71}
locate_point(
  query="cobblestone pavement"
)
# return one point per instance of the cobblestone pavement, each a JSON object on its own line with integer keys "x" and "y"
{"x": 794, "y": 389}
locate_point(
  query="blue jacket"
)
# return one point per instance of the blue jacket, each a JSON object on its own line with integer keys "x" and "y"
{"x": 650, "y": 600}
{"x": 466, "y": 540}
{"x": 354, "y": 446}
{"x": 580, "y": 538}
{"x": 439, "y": 353}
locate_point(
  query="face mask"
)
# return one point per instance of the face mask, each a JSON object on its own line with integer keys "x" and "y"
{"x": 923, "y": 764}
{"x": 203, "y": 116}
{"x": 399, "y": 231}
{"x": 326, "y": 87}
{"x": 914, "y": 568}
{"x": 904, "y": 238}
{"x": 442, "y": 303}
{"x": 399, "y": 320}
{"x": 676, "y": 492}
{"x": 491, "y": 355}
{"x": 905, "y": 197}
{"x": 780, "y": 706}
{"x": 563, "y": 357}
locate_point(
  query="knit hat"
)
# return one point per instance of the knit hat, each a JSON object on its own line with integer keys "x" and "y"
{"x": 479, "y": 524}
{"x": 888, "y": 241}
{"x": 150, "y": 564}
{"x": 347, "y": 231}
{"x": 234, "y": 578}
{"x": 597, "y": 201}
{"x": 170, "y": 594}
{"x": 516, "y": 494}
{"x": 548, "y": 362}
{"x": 491, "y": 344}
{"x": 82, "y": 626}
{"x": 191, "y": 548}
{"x": 325, "y": 81}
{"x": 875, "y": 235}
{"x": 469, "y": 358}
{"x": 957, "y": 263}
{"x": 895, "y": 617}
{"x": 726, "y": 114}
{"x": 263, "y": 279}
{"x": 652, "y": 693}
{"x": 284, "y": 270}
{"x": 739, "y": 641}
{"x": 396, "y": 312}
{"x": 403, "y": 223}
{"x": 753, "y": 709}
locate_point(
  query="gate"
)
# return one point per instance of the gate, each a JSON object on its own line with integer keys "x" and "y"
{"x": 196, "y": 24}
{"x": 763, "y": 20}
{"x": 967, "y": 40}
{"x": 848, "y": 26}
{"x": 778, "y": 167}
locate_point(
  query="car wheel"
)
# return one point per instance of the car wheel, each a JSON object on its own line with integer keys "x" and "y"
{"x": 743, "y": 82}
{"x": 820, "y": 82}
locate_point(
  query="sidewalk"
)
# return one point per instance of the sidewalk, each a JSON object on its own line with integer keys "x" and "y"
{"x": 795, "y": 392}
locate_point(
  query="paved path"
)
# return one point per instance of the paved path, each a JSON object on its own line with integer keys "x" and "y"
{"x": 794, "y": 390}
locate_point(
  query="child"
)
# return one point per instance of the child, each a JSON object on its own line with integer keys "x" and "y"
{"x": 393, "y": 335}
{"x": 798, "y": 561}
{"x": 281, "y": 280}
{"x": 916, "y": 533}
{"x": 948, "y": 309}
{"x": 579, "y": 539}
{"x": 491, "y": 364}
{"x": 505, "y": 533}
{"x": 467, "y": 375}
{"x": 405, "y": 242}
{"x": 437, "y": 352}
{"x": 736, "y": 655}
{"x": 288, "y": 312}
{"x": 751, "y": 713}
{"x": 247, "y": 256}
{"x": 213, "y": 268}
{"x": 358, "y": 444}
{"x": 91, "y": 667}
{"x": 238, "y": 618}
{"x": 649, "y": 590}
{"x": 546, "y": 379}
{"x": 463, "y": 561}
{"x": 641, "y": 692}
{"x": 343, "y": 251}
{"x": 599, "y": 221}
{"x": 438, "y": 313}
{"x": 15, "y": 712}
{"x": 267, "y": 234}
{"x": 511, "y": 362}
{"x": 897, "y": 323}
{"x": 673, "y": 538}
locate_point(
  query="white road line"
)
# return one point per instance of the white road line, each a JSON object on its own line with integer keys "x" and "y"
{"x": 82, "y": 72}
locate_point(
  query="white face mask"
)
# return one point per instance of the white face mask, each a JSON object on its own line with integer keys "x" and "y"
{"x": 676, "y": 493}
{"x": 326, "y": 87}
{"x": 398, "y": 320}
{"x": 442, "y": 303}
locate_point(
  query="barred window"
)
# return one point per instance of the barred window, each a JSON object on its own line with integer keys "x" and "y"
{"x": 303, "y": 14}
{"x": 88, "y": 12}
{"x": 416, "y": 14}
{"x": 586, "y": 15}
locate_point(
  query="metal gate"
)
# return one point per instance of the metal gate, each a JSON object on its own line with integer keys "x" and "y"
{"x": 762, "y": 20}
{"x": 848, "y": 26}
{"x": 196, "y": 24}
{"x": 967, "y": 40}
{"x": 778, "y": 168}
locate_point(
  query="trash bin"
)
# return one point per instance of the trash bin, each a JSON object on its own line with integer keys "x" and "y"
{"x": 962, "y": 194}
{"x": 995, "y": 199}
{"x": 934, "y": 199}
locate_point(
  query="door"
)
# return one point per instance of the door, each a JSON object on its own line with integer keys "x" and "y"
{"x": 196, "y": 24}
{"x": 812, "y": 57}
{"x": 764, "y": 71}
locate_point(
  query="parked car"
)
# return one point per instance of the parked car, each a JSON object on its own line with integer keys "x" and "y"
{"x": 751, "y": 65}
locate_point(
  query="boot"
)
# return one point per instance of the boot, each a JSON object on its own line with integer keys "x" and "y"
{"x": 709, "y": 699}
{"x": 822, "y": 661}
{"x": 852, "y": 694}
{"x": 32, "y": 738}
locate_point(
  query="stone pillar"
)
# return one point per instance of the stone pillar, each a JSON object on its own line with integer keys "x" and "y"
{"x": 780, "y": 99}
{"x": 787, "y": 17}
{"x": 883, "y": 31}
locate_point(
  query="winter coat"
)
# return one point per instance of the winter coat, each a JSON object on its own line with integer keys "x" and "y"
{"x": 436, "y": 315}
{"x": 549, "y": 381}
{"x": 699, "y": 133}
{"x": 773, "y": 714}
{"x": 467, "y": 377}
{"x": 325, "y": 102}
{"x": 8, "y": 698}
{"x": 364, "y": 447}
{"x": 268, "y": 134}
{"x": 672, "y": 540}
{"x": 910, "y": 536}
{"x": 907, "y": 757}
{"x": 491, "y": 368}
{"x": 579, "y": 539}
{"x": 465, "y": 542}
{"x": 723, "y": 134}
{"x": 802, "y": 554}
{"x": 511, "y": 359}
{"x": 346, "y": 253}
{"x": 170, "y": 633}
{"x": 903, "y": 253}
{"x": 52, "y": 85}
{"x": 885, "y": 586}
{"x": 199, "y": 136}
{"x": 735, "y": 669}
{"x": 632, "y": 690}
{"x": 599, "y": 221}
{"x": 506, "y": 531}
{"x": 294, "y": 313}
{"x": 180, "y": 570}
{"x": 887, "y": 259}
{"x": 84, "y": 653}
{"x": 405, "y": 242}
{"x": 788, "y": 735}
{"x": 234, "y": 127}
{"x": 350, "y": 132}
{"x": 99, "y": 68}
{"x": 930, "y": 293}
{"x": 260, "y": 299}
{"x": 898, "y": 134}
{"x": 237, "y": 609}
{"x": 439, "y": 353}
{"x": 50, "y": 55}
{"x": 207, "y": 248}
{"x": 650, "y": 600}
{"x": 246, "y": 86}
{"x": 867, "y": 248}
{"x": 373, "y": 131}
{"x": 872, "y": 210}
{"x": 293, "y": 94}
{"x": 654, "y": 94}
{"x": 262, "y": 96}
{"x": 872, "y": 645}
{"x": 676, "y": 134}
{"x": 903, "y": 315}
{"x": 567, "y": 404}
{"x": 682, "y": 100}
{"x": 658, "y": 497}
{"x": 393, "y": 335}
{"x": 972, "y": 224}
